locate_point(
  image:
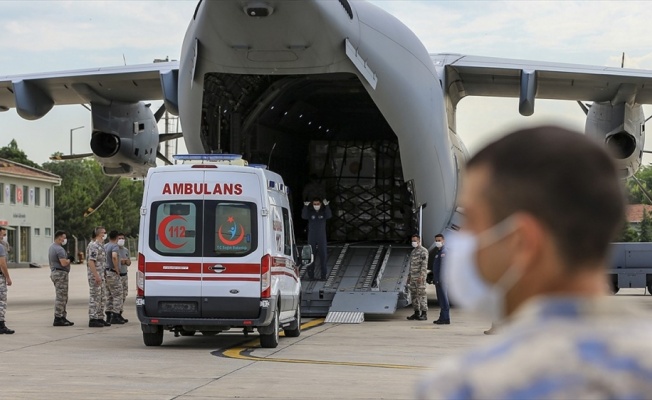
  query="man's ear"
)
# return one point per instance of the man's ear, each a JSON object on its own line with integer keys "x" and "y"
{"x": 530, "y": 241}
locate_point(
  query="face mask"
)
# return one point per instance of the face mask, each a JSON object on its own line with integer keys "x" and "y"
{"x": 104, "y": 237}
{"x": 317, "y": 208}
{"x": 121, "y": 242}
{"x": 465, "y": 285}
{"x": 64, "y": 242}
{"x": 439, "y": 245}
{"x": 415, "y": 244}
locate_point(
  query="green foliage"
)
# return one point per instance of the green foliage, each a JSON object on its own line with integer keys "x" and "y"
{"x": 628, "y": 234}
{"x": 645, "y": 231}
{"x": 635, "y": 194}
{"x": 13, "y": 153}
{"x": 82, "y": 182}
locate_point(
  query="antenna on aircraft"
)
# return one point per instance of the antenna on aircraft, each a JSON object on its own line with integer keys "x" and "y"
{"x": 622, "y": 61}
{"x": 124, "y": 59}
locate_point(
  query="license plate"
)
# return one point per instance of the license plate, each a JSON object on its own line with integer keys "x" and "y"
{"x": 178, "y": 307}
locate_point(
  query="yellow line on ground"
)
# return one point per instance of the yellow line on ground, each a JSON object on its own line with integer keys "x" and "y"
{"x": 236, "y": 353}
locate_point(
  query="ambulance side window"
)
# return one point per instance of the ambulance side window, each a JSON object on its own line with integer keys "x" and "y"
{"x": 234, "y": 226}
{"x": 173, "y": 228}
{"x": 287, "y": 229}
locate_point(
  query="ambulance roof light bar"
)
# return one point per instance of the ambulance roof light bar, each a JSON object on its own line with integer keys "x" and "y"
{"x": 228, "y": 159}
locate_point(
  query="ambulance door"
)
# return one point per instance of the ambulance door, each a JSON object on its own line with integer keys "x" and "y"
{"x": 231, "y": 272}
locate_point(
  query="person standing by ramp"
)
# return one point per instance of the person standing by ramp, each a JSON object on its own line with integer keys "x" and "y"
{"x": 59, "y": 274}
{"x": 436, "y": 258}
{"x": 417, "y": 279}
{"x": 317, "y": 216}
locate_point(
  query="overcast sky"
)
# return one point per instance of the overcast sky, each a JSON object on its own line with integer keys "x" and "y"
{"x": 41, "y": 36}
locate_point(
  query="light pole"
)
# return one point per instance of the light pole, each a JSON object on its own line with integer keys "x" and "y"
{"x": 73, "y": 129}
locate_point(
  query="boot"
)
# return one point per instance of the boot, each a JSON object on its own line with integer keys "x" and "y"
{"x": 414, "y": 316}
{"x": 124, "y": 319}
{"x": 96, "y": 323}
{"x": 61, "y": 321}
{"x": 116, "y": 319}
{"x": 107, "y": 322}
{"x": 70, "y": 323}
{"x": 4, "y": 329}
{"x": 423, "y": 316}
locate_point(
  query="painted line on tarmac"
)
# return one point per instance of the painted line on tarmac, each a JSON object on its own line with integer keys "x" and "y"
{"x": 236, "y": 353}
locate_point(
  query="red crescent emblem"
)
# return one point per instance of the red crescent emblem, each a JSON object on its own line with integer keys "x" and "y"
{"x": 231, "y": 242}
{"x": 162, "y": 228}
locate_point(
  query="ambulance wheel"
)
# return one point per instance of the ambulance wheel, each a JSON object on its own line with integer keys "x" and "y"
{"x": 270, "y": 340}
{"x": 153, "y": 339}
{"x": 294, "y": 329}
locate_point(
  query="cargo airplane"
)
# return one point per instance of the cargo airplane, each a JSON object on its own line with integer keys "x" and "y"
{"x": 336, "y": 92}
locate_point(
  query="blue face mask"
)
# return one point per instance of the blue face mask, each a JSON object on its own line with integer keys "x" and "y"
{"x": 462, "y": 275}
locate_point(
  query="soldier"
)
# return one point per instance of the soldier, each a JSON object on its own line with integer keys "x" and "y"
{"x": 125, "y": 262}
{"x": 317, "y": 217}
{"x": 96, "y": 261}
{"x": 435, "y": 258}
{"x": 5, "y": 281}
{"x": 60, "y": 268}
{"x": 113, "y": 281}
{"x": 417, "y": 279}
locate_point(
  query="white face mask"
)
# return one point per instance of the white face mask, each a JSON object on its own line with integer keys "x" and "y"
{"x": 64, "y": 242}
{"x": 462, "y": 277}
{"x": 415, "y": 244}
{"x": 439, "y": 245}
{"x": 121, "y": 242}
{"x": 104, "y": 237}
{"x": 317, "y": 208}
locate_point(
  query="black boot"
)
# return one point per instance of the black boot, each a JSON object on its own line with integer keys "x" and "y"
{"x": 414, "y": 316}
{"x": 423, "y": 316}
{"x": 61, "y": 321}
{"x": 107, "y": 322}
{"x": 4, "y": 329}
{"x": 116, "y": 319}
{"x": 70, "y": 323}
{"x": 124, "y": 319}
{"x": 96, "y": 323}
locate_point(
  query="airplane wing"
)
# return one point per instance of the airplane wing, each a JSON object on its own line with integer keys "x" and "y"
{"x": 487, "y": 76}
{"x": 37, "y": 93}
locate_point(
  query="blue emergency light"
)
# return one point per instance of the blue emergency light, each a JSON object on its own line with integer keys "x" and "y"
{"x": 207, "y": 157}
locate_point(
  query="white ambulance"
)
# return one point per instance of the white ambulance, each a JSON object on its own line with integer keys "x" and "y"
{"x": 217, "y": 251}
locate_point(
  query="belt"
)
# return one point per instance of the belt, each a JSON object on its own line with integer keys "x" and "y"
{"x": 124, "y": 274}
{"x": 60, "y": 269}
{"x": 111, "y": 270}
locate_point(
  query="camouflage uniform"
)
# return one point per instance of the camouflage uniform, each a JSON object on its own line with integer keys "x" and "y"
{"x": 59, "y": 277}
{"x": 95, "y": 251}
{"x": 418, "y": 272}
{"x": 113, "y": 291}
{"x": 3, "y": 287}
{"x": 124, "y": 276}
{"x": 554, "y": 348}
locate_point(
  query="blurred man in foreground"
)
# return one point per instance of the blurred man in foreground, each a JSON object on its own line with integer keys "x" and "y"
{"x": 541, "y": 207}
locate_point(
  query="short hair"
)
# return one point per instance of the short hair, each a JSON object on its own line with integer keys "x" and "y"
{"x": 439, "y": 235}
{"x": 416, "y": 235}
{"x": 96, "y": 230}
{"x": 120, "y": 234}
{"x": 58, "y": 234}
{"x": 113, "y": 235}
{"x": 565, "y": 180}
{"x": 2, "y": 228}
{"x": 316, "y": 199}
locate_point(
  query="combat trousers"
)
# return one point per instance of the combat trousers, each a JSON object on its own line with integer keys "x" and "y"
{"x": 442, "y": 299}
{"x": 3, "y": 297}
{"x": 96, "y": 297}
{"x": 60, "y": 280}
{"x": 113, "y": 292}
{"x": 418, "y": 293}
{"x": 125, "y": 290}
{"x": 320, "y": 249}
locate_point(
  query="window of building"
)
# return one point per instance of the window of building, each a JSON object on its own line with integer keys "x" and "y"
{"x": 26, "y": 195}
{"x": 48, "y": 232}
{"x": 12, "y": 194}
{"x": 37, "y": 231}
{"x": 47, "y": 198}
{"x": 37, "y": 196}
{"x": 2, "y": 192}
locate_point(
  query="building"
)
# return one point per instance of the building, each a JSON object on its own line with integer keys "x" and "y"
{"x": 27, "y": 211}
{"x": 635, "y": 214}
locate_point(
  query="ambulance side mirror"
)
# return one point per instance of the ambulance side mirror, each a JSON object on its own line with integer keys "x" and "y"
{"x": 307, "y": 257}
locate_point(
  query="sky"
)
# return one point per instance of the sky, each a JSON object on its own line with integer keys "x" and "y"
{"x": 42, "y": 36}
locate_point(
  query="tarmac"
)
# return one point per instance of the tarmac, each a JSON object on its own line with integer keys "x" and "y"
{"x": 382, "y": 358}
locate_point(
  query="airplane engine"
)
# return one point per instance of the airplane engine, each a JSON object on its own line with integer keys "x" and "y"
{"x": 125, "y": 138}
{"x": 621, "y": 128}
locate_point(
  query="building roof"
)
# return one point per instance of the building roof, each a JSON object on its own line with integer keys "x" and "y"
{"x": 635, "y": 212}
{"x": 18, "y": 170}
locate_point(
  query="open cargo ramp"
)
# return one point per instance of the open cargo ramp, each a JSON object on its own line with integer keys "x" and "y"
{"x": 362, "y": 279}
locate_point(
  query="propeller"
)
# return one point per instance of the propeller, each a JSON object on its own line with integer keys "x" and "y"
{"x": 102, "y": 197}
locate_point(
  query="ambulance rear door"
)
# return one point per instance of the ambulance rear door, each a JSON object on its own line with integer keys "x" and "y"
{"x": 233, "y": 245}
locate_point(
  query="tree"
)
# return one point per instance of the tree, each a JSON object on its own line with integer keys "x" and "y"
{"x": 13, "y": 153}
{"x": 645, "y": 232}
{"x": 82, "y": 181}
{"x": 627, "y": 234}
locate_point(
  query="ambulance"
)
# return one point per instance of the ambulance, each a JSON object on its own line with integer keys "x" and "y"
{"x": 217, "y": 251}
